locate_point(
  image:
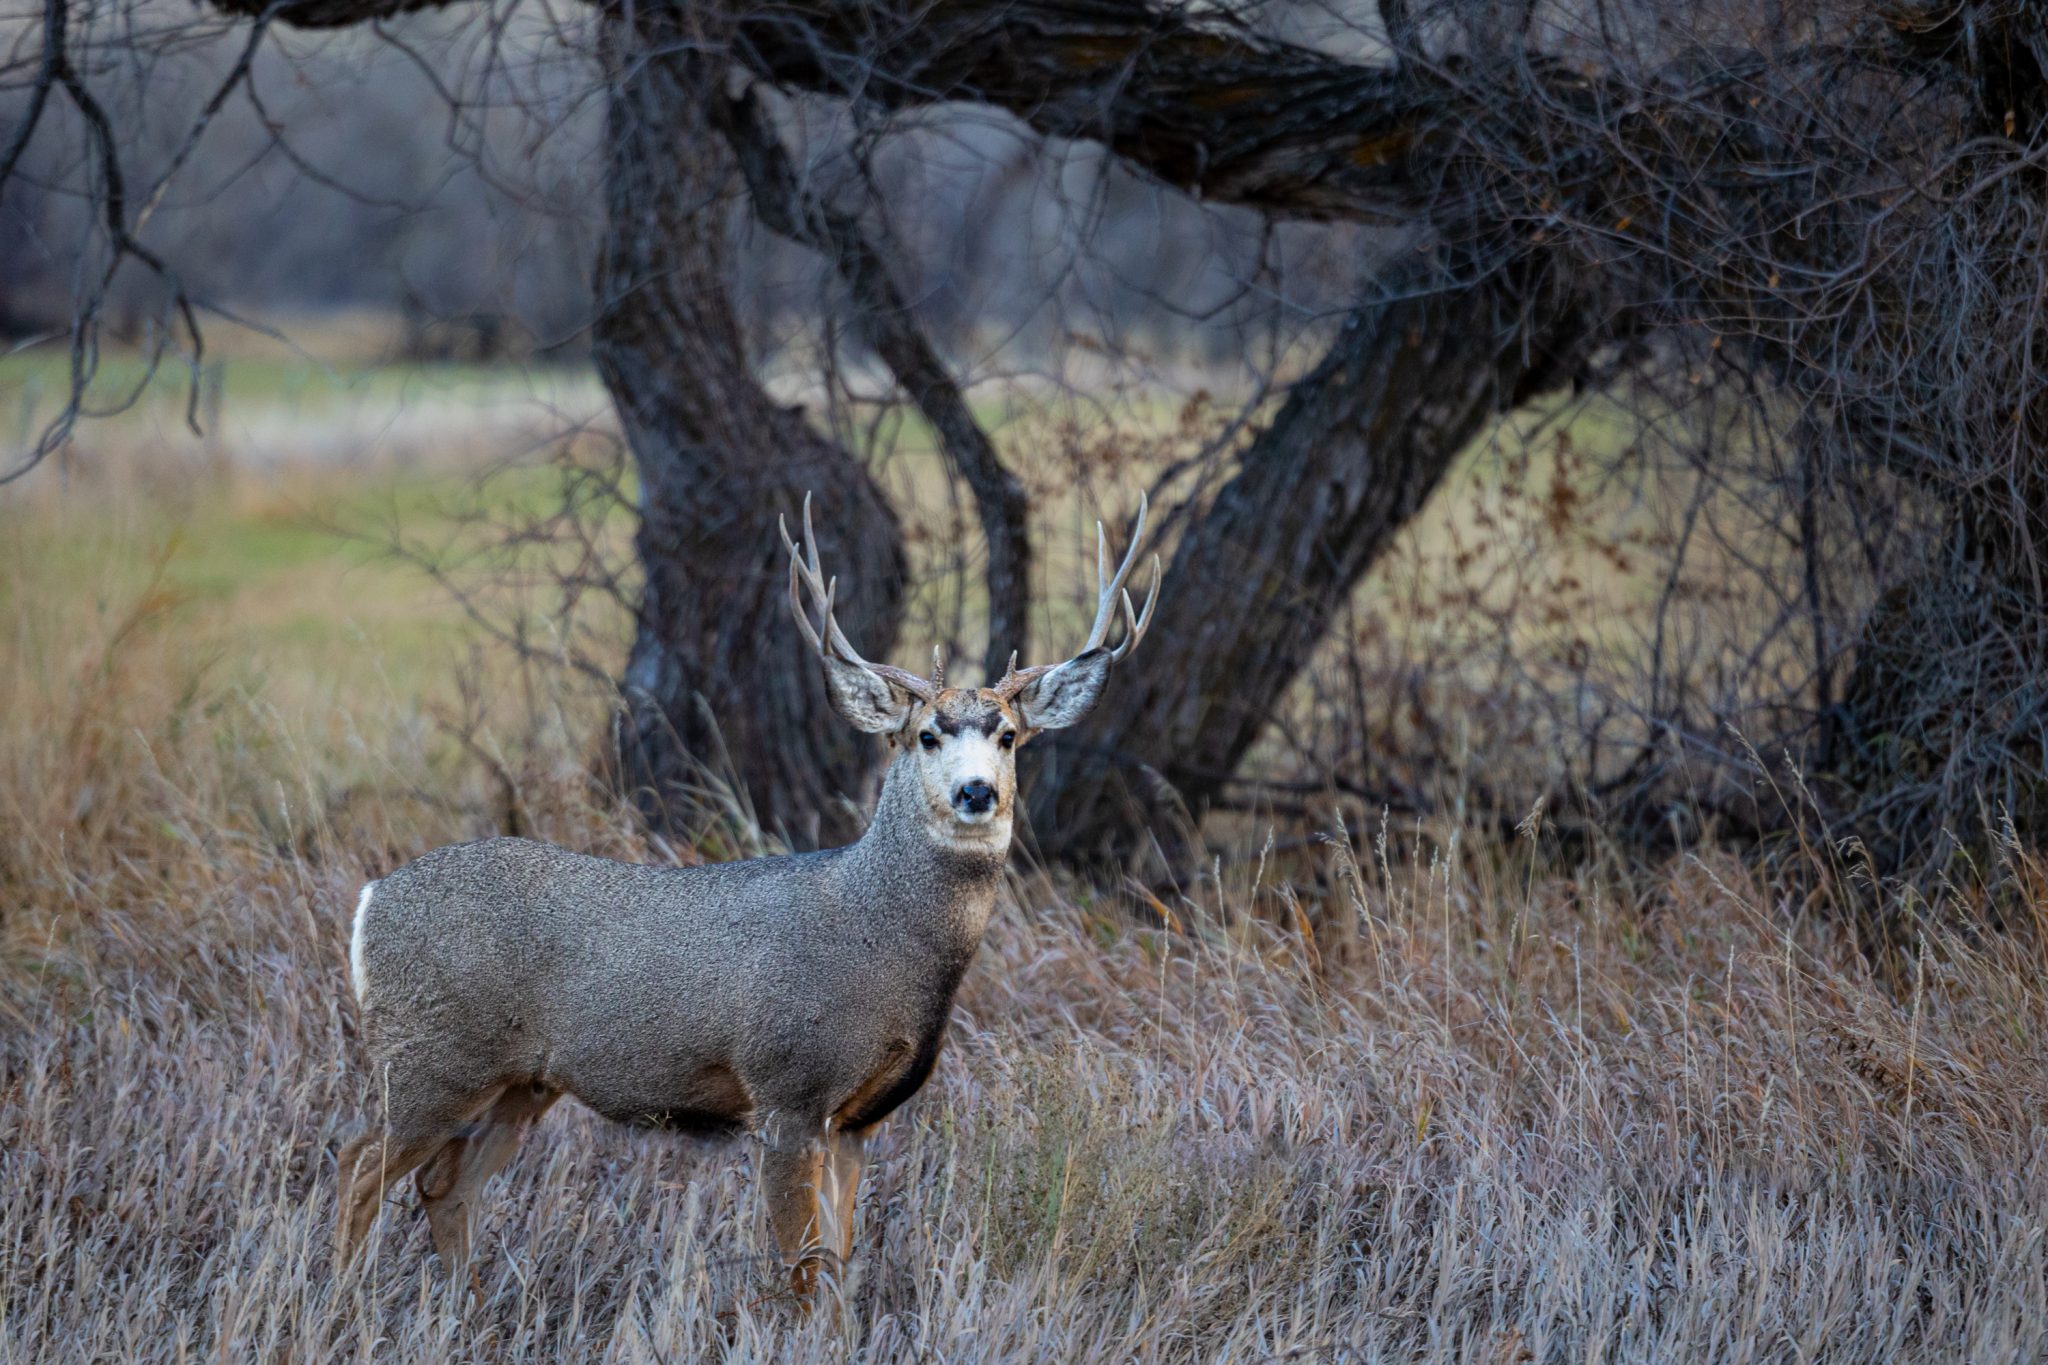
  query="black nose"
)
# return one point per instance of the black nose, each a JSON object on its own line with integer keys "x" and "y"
{"x": 974, "y": 797}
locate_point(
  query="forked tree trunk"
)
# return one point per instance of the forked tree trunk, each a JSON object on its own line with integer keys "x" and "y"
{"x": 1259, "y": 576}
{"x": 718, "y": 685}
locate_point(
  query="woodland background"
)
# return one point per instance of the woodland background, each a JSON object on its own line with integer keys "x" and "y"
{"x": 1560, "y": 879}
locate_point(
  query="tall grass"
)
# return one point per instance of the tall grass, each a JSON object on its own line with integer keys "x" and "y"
{"x": 1409, "y": 1095}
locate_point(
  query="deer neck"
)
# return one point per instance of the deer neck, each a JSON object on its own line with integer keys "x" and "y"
{"x": 943, "y": 887}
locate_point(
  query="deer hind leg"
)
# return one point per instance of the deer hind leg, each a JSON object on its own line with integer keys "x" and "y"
{"x": 368, "y": 1166}
{"x": 452, "y": 1180}
{"x": 426, "y": 1112}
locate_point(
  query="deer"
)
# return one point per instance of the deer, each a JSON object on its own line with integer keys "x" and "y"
{"x": 798, "y": 999}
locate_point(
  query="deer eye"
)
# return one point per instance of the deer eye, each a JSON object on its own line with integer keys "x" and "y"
{"x": 929, "y": 740}
{"x": 1007, "y": 739}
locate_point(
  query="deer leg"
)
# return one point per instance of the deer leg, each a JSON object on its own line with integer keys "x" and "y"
{"x": 451, "y": 1181}
{"x": 437, "y": 1180}
{"x": 369, "y": 1166}
{"x": 845, "y": 1153}
{"x": 792, "y": 1180}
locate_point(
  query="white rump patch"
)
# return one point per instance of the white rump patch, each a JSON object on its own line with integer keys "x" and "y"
{"x": 358, "y": 974}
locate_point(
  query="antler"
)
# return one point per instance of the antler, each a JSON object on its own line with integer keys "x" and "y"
{"x": 804, "y": 568}
{"x": 1112, "y": 592}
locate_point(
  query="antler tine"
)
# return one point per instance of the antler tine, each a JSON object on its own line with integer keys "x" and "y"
{"x": 1111, "y": 595}
{"x": 1106, "y": 598}
{"x": 804, "y": 565}
{"x": 804, "y": 562}
{"x": 796, "y": 601}
{"x": 1137, "y": 621}
{"x": 803, "y": 617}
{"x": 833, "y": 632}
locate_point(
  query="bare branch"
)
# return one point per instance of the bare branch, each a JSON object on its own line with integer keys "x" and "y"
{"x": 122, "y": 235}
{"x": 1197, "y": 102}
{"x": 328, "y": 13}
{"x": 1399, "y": 22}
{"x": 55, "y": 19}
{"x": 783, "y": 205}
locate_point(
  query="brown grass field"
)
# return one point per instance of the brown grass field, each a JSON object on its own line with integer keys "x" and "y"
{"x": 1413, "y": 1094}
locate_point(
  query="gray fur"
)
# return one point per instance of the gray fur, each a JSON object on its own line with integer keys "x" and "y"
{"x": 871, "y": 704}
{"x": 1067, "y": 693}
{"x": 510, "y": 962}
{"x": 803, "y": 998}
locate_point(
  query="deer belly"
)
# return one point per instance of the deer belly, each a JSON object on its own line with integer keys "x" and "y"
{"x": 709, "y": 1102}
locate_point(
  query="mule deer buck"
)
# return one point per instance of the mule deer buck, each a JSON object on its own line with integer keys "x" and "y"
{"x": 802, "y": 998}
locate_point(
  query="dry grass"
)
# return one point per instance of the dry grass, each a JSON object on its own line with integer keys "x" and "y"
{"x": 1411, "y": 1095}
{"x": 1446, "y": 1103}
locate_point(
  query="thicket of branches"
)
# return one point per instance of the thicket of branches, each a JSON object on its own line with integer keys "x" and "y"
{"x": 1792, "y": 252}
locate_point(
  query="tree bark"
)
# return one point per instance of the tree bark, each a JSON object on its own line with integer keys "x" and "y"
{"x": 1256, "y": 580}
{"x": 1197, "y": 101}
{"x": 718, "y": 684}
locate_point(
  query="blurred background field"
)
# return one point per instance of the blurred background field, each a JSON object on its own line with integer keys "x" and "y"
{"x": 1413, "y": 1090}
{"x": 1612, "y": 929}
{"x": 350, "y": 530}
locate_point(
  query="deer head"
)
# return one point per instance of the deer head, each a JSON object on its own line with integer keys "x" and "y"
{"x": 962, "y": 742}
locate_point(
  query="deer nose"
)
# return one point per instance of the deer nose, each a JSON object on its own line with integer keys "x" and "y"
{"x": 974, "y": 797}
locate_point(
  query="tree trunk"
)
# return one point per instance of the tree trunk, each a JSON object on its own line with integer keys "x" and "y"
{"x": 1258, "y": 577}
{"x": 1945, "y": 711}
{"x": 718, "y": 685}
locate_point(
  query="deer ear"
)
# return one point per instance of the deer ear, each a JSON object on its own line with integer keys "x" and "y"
{"x": 1055, "y": 700}
{"x": 872, "y": 703}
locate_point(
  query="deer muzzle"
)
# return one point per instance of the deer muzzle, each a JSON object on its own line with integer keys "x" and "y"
{"x": 974, "y": 800}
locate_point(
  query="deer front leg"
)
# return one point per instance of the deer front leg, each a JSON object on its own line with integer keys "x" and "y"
{"x": 845, "y": 1154}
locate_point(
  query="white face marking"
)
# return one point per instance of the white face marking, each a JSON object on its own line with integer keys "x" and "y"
{"x": 965, "y": 758}
{"x": 948, "y": 763}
